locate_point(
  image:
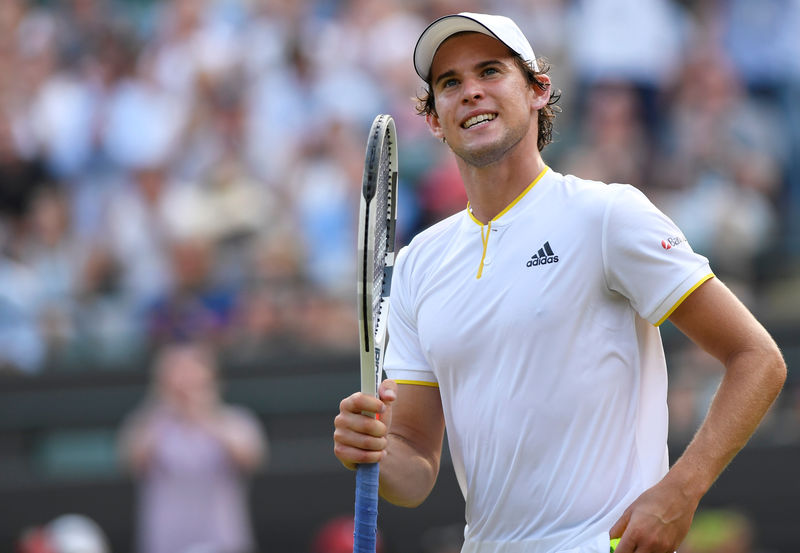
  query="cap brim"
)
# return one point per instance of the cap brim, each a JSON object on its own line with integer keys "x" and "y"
{"x": 439, "y": 31}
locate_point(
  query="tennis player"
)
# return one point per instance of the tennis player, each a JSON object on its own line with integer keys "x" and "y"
{"x": 527, "y": 325}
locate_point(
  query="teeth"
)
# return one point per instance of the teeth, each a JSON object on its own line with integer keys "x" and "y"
{"x": 472, "y": 121}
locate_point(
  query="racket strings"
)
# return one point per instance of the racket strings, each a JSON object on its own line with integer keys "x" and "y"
{"x": 383, "y": 201}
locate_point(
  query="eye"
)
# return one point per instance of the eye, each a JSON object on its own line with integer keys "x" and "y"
{"x": 449, "y": 82}
{"x": 490, "y": 71}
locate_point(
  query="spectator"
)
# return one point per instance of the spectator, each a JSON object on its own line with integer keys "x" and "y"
{"x": 22, "y": 346}
{"x": 190, "y": 454}
{"x": 722, "y": 170}
{"x": 55, "y": 259}
{"x": 195, "y": 307}
{"x": 615, "y": 145}
{"x": 625, "y": 40}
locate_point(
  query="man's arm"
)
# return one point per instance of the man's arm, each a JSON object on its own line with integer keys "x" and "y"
{"x": 406, "y": 439}
{"x": 715, "y": 320}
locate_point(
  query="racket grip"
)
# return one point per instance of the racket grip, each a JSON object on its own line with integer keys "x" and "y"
{"x": 365, "y": 527}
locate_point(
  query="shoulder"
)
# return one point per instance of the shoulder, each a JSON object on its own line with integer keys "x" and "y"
{"x": 591, "y": 192}
{"x": 584, "y": 200}
{"x": 596, "y": 196}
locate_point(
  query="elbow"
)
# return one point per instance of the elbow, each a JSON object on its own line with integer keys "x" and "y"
{"x": 409, "y": 502}
{"x": 412, "y": 504}
{"x": 764, "y": 363}
{"x": 408, "y": 488}
{"x": 777, "y": 370}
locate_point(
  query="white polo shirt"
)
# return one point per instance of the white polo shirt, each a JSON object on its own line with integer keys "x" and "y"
{"x": 550, "y": 365}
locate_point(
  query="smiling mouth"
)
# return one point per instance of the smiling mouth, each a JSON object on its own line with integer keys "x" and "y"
{"x": 478, "y": 119}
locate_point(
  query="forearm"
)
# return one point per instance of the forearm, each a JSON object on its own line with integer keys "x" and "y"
{"x": 751, "y": 383}
{"x": 406, "y": 476}
{"x": 660, "y": 518}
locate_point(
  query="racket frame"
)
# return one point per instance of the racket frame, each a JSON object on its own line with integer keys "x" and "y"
{"x": 372, "y": 337}
{"x": 372, "y": 333}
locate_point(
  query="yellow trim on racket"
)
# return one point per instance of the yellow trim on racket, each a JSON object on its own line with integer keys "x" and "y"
{"x": 683, "y": 297}
{"x": 418, "y": 383}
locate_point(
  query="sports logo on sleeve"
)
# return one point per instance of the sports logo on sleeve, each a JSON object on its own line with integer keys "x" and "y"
{"x": 672, "y": 241}
{"x": 544, "y": 256}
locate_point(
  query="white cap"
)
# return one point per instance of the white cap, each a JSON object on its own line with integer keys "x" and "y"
{"x": 497, "y": 26}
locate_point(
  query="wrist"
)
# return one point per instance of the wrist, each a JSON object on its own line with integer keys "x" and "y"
{"x": 690, "y": 478}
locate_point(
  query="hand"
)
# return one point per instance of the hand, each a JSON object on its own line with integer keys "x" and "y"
{"x": 657, "y": 522}
{"x": 359, "y": 438}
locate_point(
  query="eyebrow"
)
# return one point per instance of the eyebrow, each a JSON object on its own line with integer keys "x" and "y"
{"x": 478, "y": 66}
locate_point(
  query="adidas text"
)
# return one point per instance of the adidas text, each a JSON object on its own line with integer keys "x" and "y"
{"x": 534, "y": 261}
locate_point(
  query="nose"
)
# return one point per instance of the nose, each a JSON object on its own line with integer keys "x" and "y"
{"x": 472, "y": 91}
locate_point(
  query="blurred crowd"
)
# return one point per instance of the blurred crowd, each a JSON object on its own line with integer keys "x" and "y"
{"x": 189, "y": 169}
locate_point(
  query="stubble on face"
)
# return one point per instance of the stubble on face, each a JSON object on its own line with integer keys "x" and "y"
{"x": 487, "y": 154}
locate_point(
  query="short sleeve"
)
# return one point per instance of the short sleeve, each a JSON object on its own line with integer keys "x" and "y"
{"x": 646, "y": 257}
{"x": 405, "y": 361}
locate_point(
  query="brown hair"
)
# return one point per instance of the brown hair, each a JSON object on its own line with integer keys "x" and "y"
{"x": 426, "y": 104}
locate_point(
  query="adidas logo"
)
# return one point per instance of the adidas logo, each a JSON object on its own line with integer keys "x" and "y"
{"x": 544, "y": 256}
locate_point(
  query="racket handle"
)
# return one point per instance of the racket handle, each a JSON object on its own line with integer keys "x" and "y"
{"x": 366, "y": 520}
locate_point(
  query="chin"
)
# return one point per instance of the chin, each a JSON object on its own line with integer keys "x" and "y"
{"x": 482, "y": 156}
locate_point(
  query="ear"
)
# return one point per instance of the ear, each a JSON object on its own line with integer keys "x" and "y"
{"x": 434, "y": 126}
{"x": 540, "y": 95}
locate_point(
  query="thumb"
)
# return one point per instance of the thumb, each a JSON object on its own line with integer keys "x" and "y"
{"x": 388, "y": 391}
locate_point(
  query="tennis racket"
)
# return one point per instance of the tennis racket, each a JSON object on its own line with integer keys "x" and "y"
{"x": 376, "y": 224}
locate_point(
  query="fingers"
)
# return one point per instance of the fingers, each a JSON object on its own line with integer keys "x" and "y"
{"x": 352, "y": 448}
{"x": 618, "y": 530}
{"x": 359, "y": 438}
{"x": 361, "y": 403}
{"x": 643, "y": 533}
{"x": 619, "y": 526}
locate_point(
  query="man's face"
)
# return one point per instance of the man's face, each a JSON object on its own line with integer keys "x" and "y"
{"x": 484, "y": 105}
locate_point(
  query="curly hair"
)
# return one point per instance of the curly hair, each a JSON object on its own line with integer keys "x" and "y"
{"x": 426, "y": 104}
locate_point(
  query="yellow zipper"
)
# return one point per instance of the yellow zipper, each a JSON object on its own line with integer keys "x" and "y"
{"x": 485, "y": 236}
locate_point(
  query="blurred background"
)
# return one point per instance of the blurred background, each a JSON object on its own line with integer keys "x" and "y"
{"x": 176, "y": 170}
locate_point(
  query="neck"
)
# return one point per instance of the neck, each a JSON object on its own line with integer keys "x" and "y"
{"x": 492, "y": 188}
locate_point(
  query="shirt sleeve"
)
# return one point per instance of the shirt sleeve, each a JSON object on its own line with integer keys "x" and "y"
{"x": 405, "y": 362}
{"x": 647, "y": 258}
